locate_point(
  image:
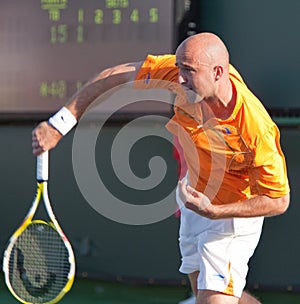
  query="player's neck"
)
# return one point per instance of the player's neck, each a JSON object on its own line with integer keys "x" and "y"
{"x": 222, "y": 106}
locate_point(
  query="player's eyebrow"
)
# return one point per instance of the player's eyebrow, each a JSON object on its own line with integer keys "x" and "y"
{"x": 182, "y": 65}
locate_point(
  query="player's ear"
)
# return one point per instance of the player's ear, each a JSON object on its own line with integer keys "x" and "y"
{"x": 218, "y": 72}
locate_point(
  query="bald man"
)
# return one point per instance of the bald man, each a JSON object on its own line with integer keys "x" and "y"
{"x": 236, "y": 169}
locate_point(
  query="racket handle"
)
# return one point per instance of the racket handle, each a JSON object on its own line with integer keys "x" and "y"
{"x": 42, "y": 167}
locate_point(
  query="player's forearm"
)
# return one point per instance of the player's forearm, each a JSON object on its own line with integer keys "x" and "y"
{"x": 83, "y": 98}
{"x": 256, "y": 206}
{"x": 48, "y": 133}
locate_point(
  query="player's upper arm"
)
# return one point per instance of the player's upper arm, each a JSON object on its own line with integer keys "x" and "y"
{"x": 119, "y": 74}
{"x": 102, "y": 83}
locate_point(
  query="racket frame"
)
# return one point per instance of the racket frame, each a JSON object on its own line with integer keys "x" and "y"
{"x": 41, "y": 192}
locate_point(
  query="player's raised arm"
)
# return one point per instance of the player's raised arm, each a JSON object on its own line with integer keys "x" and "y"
{"x": 48, "y": 133}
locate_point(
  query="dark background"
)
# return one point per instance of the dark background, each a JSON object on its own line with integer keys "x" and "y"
{"x": 262, "y": 37}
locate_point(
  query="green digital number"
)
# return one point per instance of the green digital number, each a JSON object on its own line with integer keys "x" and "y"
{"x": 44, "y": 89}
{"x": 79, "y": 85}
{"x": 79, "y": 38}
{"x": 54, "y": 14}
{"x": 55, "y": 89}
{"x": 153, "y": 15}
{"x": 80, "y": 15}
{"x": 53, "y": 34}
{"x": 60, "y": 89}
{"x": 59, "y": 33}
{"x": 117, "y": 16}
{"x": 116, "y": 3}
{"x": 98, "y": 19}
{"x": 109, "y": 3}
{"x": 134, "y": 17}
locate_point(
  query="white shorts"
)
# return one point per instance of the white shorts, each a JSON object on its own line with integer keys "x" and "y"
{"x": 222, "y": 260}
{"x": 219, "y": 249}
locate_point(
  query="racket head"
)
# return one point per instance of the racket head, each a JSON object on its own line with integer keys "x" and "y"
{"x": 38, "y": 264}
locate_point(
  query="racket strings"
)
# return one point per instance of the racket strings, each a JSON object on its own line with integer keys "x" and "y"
{"x": 39, "y": 264}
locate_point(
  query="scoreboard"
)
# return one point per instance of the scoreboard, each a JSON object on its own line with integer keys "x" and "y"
{"x": 50, "y": 48}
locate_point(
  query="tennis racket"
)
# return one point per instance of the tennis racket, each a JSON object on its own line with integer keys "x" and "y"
{"x": 38, "y": 263}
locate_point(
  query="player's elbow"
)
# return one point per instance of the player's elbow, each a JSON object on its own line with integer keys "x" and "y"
{"x": 282, "y": 204}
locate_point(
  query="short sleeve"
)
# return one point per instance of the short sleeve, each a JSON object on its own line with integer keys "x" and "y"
{"x": 269, "y": 176}
{"x": 157, "y": 72}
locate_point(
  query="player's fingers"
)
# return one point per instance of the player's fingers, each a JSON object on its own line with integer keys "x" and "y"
{"x": 181, "y": 191}
{"x": 184, "y": 183}
{"x": 37, "y": 151}
{"x": 192, "y": 191}
{"x": 37, "y": 146}
{"x": 182, "y": 187}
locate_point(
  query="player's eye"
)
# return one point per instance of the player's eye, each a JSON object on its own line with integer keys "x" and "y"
{"x": 186, "y": 70}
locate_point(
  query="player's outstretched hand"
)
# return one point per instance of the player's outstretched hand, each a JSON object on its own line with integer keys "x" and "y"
{"x": 44, "y": 138}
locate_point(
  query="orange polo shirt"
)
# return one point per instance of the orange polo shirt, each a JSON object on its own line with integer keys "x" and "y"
{"x": 228, "y": 160}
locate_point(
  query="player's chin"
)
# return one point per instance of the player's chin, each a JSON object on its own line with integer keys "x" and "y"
{"x": 194, "y": 99}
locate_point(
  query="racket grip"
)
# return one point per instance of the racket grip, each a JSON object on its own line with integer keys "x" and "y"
{"x": 42, "y": 167}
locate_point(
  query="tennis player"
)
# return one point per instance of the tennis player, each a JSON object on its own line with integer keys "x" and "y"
{"x": 236, "y": 169}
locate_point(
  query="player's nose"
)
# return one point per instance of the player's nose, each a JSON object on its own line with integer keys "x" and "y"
{"x": 181, "y": 79}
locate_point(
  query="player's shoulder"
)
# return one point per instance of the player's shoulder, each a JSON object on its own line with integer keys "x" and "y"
{"x": 233, "y": 73}
{"x": 160, "y": 67}
{"x": 249, "y": 106}
{"x": 167, "y": 60}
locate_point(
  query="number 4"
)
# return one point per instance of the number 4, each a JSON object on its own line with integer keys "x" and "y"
{"x": 134, "y": 17}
